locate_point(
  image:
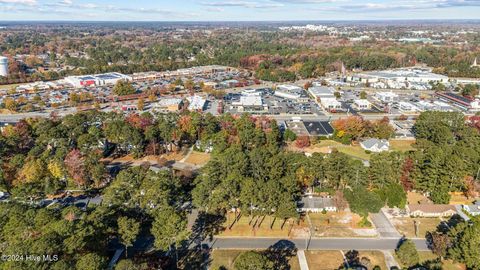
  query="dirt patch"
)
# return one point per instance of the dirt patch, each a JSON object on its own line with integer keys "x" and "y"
{"x": 324, "y": 260}
{"x": 198, "y": 158}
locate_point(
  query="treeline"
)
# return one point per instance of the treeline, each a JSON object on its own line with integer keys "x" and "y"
{"x": 263, "y": 52}
{"x": 448, "y": 155}
{"x": 138, "y": 203}
{"x": 42, "y": 156}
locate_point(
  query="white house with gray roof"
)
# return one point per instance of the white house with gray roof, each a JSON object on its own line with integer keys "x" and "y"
{"x": 375, "y": 145}
{"x": 316, "y": 204}
{"x": 473, "y": 209}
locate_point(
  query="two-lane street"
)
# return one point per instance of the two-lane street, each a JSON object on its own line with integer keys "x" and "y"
{"x": 315, "y": 243}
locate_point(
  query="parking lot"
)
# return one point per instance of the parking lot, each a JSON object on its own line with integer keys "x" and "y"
{"x": 275, "y": 105}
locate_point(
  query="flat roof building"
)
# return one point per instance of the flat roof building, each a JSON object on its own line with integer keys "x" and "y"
{"x": 168, "y": 104}
{"x": 387, "y": 97}
{"x": 291, "y": 92}
{"x": 196, "y": 103}
{"x": 460, "y": 101}
{"x": 97, "y": 80}
{"x": 362, "y": 104}
{"x": 318, "y": 128}
{"x": 250, "y": 103}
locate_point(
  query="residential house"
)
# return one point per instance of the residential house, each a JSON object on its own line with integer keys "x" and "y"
{"x": 431, "y": 210}
{"x": 472, "y": 209}
{"x": 316, "y": 204}
{"x": 375, "y": 145}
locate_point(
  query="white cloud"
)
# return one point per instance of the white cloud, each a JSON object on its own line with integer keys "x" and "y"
{"x": 245, "y": 4}
{"x": 20, "y": 2}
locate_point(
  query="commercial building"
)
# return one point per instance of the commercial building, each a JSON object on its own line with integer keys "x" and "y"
{"x": 168, "y": 105}
{"x": 291, "y": 92}
{"x": 196, "y": 103}
{"x": 392, "y": 76}
{"x": 97, "y": 80}
{"x": 316, "y": 128}
{"x": 423, "y": 105}
{"x": 362, "y": 104}
{"x": 297, "y": 126}
{"x": 460, "y": 101}
{"x": 387, "y": 97}
{"x": 407, "y": 107}
{"x": 325, "y": 97}
{"x": 250, "y": 103}
{"x": 3, "y": 66}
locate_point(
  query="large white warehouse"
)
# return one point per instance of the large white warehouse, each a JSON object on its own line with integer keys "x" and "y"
{"x": 3, "y": 66}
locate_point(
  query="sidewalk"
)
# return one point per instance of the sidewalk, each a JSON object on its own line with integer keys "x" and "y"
{"x": 389, "y": 259}
{"x": 302, "y": 260}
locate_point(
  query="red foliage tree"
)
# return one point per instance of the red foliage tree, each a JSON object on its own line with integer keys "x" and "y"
{"x": 302, "y": 142}
{"x": 74, "y": 163}
{"x": 470, "y": 189}
{"x": 138, "y": 121}
{"x": 405, "y": 178}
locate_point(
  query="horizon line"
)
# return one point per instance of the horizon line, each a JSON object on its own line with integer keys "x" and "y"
{"x": 288, "y": 20}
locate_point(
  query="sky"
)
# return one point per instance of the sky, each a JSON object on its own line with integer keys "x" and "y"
{"x": 236, "y": 10}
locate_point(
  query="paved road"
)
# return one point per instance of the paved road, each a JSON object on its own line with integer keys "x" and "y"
{"x": 315, "y": 244}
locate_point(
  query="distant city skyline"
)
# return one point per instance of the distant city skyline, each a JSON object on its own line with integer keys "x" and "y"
{"x": 237, "y": 10}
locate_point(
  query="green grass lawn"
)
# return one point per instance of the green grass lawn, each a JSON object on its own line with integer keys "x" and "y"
{"x": 354, "y": 151}
{"x": 402, "y": 145}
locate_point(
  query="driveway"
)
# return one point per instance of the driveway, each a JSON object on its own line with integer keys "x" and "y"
{"x": 384, "y": 227}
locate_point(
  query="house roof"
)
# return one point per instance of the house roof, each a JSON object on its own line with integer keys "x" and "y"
{"x": 474, "y": 208}
{"x": 431, "y": 208}
{"x": 370, "y": 143}
{"x": 315, "y": 202}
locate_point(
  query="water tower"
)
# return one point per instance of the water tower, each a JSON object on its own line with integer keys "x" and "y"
{"x": 3, "y": 66}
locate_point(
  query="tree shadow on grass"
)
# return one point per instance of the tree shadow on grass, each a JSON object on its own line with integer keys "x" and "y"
{"x": 280, "y": 253}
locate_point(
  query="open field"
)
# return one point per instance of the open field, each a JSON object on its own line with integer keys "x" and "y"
{"x": 324, "y": 259}
{"x": 405, "y": 226}
{"x": 198, "y": 158}
{"x": 244, "y": 227}
{"x": 339, "y": 224}
{"x": 226, "y": 259}
{"x": 401, "y": 145}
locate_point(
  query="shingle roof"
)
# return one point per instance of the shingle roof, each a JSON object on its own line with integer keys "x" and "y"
{"x": 431, "y": 208}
